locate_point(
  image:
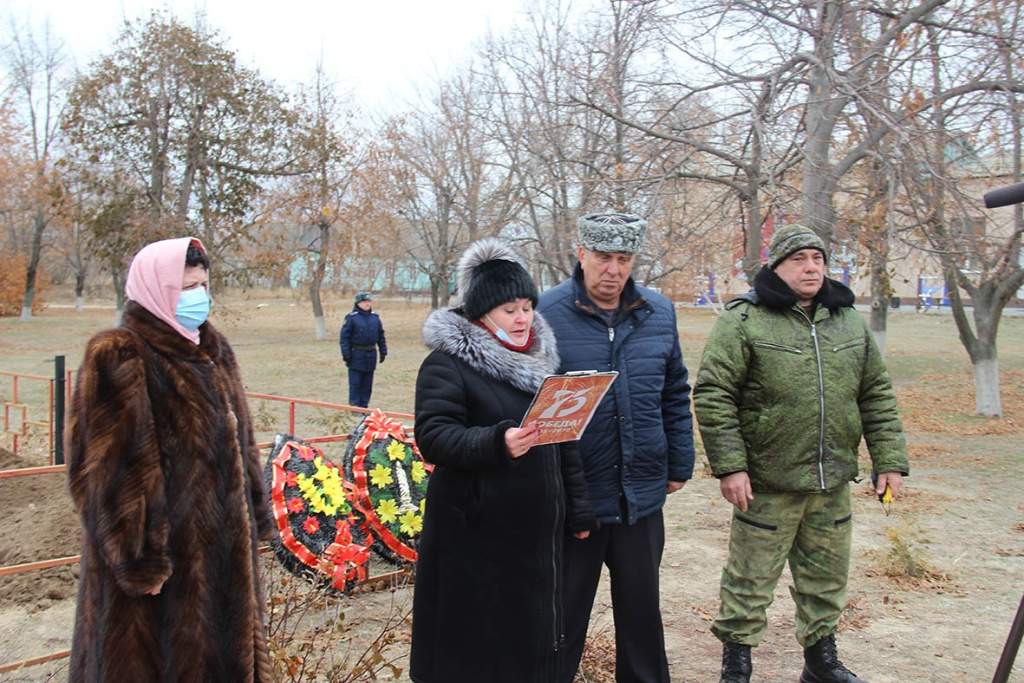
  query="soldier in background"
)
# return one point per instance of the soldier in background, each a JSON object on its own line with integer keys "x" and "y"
{"x": 362, "y": 335}
{"x": 790, "y": 379}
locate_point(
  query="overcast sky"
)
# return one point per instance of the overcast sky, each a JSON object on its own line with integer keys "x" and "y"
{"x": 376, "y": 49}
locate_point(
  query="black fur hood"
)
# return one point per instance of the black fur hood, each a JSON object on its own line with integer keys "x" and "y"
{"x": 448, "y": 331}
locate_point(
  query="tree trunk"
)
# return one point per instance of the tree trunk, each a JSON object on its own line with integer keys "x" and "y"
{"x": 435, "y": 290}
{"x": 118, "y": 279}
{"x": 38, "y": 225}
{"x": 881, "y": 284}
{"x": 79, "y": 291}
{"x": 752, "y": 250}
{"x": 988, "y": 310}
{"x": 986, "y": 388}
{"x": 880, "y": 293}
{"x": 317, "y": 281}
{"x": 444, "y": 292}
{"x": 823, "y": 106}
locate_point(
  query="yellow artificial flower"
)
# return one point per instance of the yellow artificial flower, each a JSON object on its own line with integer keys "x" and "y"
{"x": 423, "y": 506}
{"x": 412, "y": 523}
{"x": 380, "y": 476}
{"x": 319, "y": 504}
{"x": 327, "y": 498}
{"x": 419, "y": 472}
{"x": 387, "y": 510}
{"x": 305, "y": 484}
{"x": 334, "y": 491}
{"x": 396, "y": 451}
{"x": 321, "y": 472}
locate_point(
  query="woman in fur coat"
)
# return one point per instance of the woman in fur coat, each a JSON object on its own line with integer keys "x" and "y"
{"x": 165, "y": 474}
{"x": 488, "y": 603}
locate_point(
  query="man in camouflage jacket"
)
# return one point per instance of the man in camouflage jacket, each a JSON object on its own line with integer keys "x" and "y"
{"x": 790, "y": 380}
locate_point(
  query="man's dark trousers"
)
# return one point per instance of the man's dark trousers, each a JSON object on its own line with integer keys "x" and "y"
{"x": 633, "y": 555}
{"x": 360, "y": 384}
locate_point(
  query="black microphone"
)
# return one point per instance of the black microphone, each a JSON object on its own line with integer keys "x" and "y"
{"x": 1004, "y": 196}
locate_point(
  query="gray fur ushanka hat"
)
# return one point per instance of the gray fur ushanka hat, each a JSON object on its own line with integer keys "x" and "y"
{"x": 611, "y": 232}
{"x": 489, "y": 274}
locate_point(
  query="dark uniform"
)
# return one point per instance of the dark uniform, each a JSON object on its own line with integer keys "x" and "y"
{"x": 362, "y": 335}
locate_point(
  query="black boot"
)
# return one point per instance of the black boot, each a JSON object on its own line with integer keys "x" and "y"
{"x": 735, "y": 663}
{"x": 822, "y": 665}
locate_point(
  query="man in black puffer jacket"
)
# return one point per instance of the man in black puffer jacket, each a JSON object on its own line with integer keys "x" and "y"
{"x": 638, "y": 447}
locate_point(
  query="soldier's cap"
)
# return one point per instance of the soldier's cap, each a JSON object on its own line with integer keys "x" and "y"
{"x": 790, "y": 239}
{"x": 611, "y": 232}
{"x": 363, "y": 296}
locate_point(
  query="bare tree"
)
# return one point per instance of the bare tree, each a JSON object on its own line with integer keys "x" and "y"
{"x": 320, "y": 196}
{"x": 446, "y": 186}
{"x": 34, "y": 67}
{"x": 942, "y": 183}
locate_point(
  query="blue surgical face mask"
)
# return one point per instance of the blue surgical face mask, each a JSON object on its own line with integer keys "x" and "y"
{"x": 193, "y": 308}
{"x": 499, "y": 332}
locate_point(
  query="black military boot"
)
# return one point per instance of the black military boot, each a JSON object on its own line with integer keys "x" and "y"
{"x": 735, "y": 663}
{"x": 822, "y": 665}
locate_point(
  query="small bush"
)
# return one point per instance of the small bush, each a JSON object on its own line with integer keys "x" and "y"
{"x": 904, "y": 559}
{"x": 313, "y": 638}
{"x": 12, "y": 285}
{"x": 336, "y": 421}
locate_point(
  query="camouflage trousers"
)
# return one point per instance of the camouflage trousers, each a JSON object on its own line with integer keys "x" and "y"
{"x": 813, "y": 532}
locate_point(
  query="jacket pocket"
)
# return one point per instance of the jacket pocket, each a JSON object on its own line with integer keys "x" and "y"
{"x": 853, "y": 343}
{"x": 777, "y": 347}
{"x": 755, "y": 523}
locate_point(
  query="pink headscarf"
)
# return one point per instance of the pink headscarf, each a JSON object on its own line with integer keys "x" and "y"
{"x": 155, "y": 277}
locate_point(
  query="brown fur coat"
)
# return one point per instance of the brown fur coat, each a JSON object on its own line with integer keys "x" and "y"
{"x": 165, "y": 473}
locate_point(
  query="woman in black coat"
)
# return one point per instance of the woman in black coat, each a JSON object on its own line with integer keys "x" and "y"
{"x": 488, "y": 603}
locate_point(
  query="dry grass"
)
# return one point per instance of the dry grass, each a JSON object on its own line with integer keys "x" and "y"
{"x": 933, "y": 405}
{"x": 598, "y": 663}
{"x": 918, "y": 452}
{"x": 854, "y": 616}
{"x": 907, "y": 566}
{"x": 914, "y": 501}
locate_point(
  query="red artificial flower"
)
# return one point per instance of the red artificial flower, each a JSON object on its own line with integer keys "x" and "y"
{"x": 311, "y": 525}
{"x": 296, "y": 505}
{"x": 291, "y": 478}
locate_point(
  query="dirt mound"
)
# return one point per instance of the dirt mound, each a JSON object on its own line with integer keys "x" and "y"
{"x": 38, "y": 522}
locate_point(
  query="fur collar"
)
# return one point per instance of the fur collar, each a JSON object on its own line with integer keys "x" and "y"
{"x": 164, "y": 339}
{"x": 773, "y": 292}
{"x": 448, "y": 331}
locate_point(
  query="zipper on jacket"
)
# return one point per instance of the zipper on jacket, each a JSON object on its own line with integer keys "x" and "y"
{"x": 821, "y": 408}
{"x": 556, "y": 627}
{"x": 779, "y": 347}
{"x": 611, "y": 334}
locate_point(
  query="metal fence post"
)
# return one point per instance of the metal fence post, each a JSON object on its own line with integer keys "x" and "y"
{"x": 58, "y": 410}
{"x": 1010, "y": 649}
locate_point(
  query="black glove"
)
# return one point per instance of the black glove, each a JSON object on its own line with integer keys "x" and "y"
{"x": 346, "y": 359}
{"x": 383, "y": 356}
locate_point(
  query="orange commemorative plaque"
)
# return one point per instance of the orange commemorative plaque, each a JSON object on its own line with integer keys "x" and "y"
{"x": 564, "y": 404}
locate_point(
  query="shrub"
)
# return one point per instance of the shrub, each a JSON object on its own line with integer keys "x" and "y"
{"x": 12, "y": 284}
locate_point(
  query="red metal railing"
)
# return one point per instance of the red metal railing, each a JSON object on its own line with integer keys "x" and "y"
{"x": 40, "y": 565}
{"x": 293, "y": 402}
{"x": 14, "y": 405}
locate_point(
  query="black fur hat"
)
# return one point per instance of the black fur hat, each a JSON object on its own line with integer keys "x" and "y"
{"x": 490, "y": 274}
